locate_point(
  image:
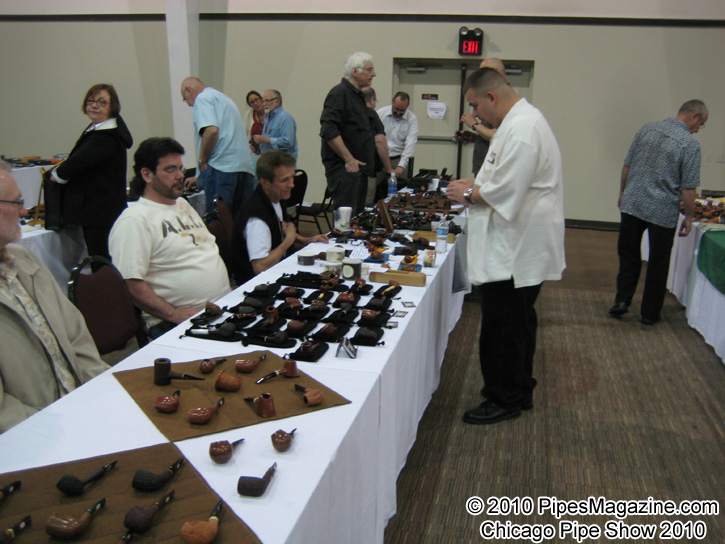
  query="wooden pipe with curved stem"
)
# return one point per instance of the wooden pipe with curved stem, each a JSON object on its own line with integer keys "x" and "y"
{"x": 202, "y": 532}
{"x": 143, "y": 480}
{"x": 9, "y": 534}
{"x": 70, "y": 528}
{"x": 73, "y": 486}
{"x": 139, "y": 520}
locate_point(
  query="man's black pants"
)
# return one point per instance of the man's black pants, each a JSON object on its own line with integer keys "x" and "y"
{"x": 630, "y": 263}
{"x": 508, "y": 342}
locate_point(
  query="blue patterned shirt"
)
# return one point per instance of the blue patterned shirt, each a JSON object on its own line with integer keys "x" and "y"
{"x": 664, "y": 158}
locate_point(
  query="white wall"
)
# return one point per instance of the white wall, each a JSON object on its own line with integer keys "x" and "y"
{"x": 596, "y": 84}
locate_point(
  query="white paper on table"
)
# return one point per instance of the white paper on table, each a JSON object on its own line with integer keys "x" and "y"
{"x": 436, "y": 110}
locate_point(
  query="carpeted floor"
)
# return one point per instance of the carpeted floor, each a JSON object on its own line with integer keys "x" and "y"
{"x": 622, "y": 411}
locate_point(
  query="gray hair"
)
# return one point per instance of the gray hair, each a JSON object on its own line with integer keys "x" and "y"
{"x": 276, "y": 94}
{"x": 693, "y": 106}
{"x": 356, "y": 60}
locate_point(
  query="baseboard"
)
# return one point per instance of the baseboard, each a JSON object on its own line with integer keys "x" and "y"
{"x": 591, "y": 225}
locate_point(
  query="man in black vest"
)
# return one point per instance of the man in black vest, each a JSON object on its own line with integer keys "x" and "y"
{"x": 263, "y": 232}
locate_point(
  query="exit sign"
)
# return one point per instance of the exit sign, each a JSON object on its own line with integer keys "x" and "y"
{"x": 470, "y": 42}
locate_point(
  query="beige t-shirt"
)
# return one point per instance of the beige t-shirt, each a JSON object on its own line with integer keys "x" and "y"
{"x": 170, "y": 248}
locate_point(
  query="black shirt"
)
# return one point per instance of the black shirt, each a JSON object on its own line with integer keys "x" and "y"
{"x": 345, "y": 114}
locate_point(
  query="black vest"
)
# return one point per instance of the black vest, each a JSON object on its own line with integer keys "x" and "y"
{"x": 257, "y": 205}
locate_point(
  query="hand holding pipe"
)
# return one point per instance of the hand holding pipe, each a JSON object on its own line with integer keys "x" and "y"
{"x": 73, "y": 486}
{"x": 143, "y": 480}
{"x": 70, "y": 528}
{"x": 202, "y": 532}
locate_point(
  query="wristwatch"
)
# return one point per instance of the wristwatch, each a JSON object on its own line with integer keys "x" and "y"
{"x": 467, "y": 195}
{"x": 473, "y": 126}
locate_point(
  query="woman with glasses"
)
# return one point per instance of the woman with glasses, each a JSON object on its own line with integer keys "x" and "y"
{"x": 254, "y": 119}
{"x": 93, "y": 177}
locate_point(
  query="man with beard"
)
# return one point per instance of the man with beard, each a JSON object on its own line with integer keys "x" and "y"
{"x": 161, "y": 246}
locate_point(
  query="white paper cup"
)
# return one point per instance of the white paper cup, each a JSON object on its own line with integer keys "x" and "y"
{"x": 342, "y": 217}
{"x": 351, "y": 268}
{"x": 335, "y": 254}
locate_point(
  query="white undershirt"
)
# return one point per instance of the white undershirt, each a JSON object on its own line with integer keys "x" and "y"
{"x": 258, "y": 235}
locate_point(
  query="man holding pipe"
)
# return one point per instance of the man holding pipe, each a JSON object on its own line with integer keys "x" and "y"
{"x": 47, "y": 350}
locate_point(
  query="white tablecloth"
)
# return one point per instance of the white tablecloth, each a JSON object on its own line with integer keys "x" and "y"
{"x": 29, "y": 179}
{"x": 59, "y": 251}
{"x": 338, "y": 481}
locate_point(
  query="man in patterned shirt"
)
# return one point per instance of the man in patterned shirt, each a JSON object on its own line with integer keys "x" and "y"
{"x": 661, "y": 168}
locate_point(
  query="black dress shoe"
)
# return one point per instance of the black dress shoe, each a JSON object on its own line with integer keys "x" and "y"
{"x": 651, "y": 320}
{"x": 619, "y": 309}
{"x": 489, "y": 412}
{"x": 526, "y": 404}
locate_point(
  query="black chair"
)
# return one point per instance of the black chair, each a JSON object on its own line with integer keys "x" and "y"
{"x": 103, "y": 299}
{"x": 318, "y": 210}
{"x": 223, "y": 241}
{"x": 298, "y": 195}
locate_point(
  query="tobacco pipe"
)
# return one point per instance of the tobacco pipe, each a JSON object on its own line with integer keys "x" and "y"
{"x": 393, "y": 284}
{"x": 9, "y": 534}
{"x": 73, "y": 486}
{"x": 201, "y": 416}
{"x": 312, "y": 397}
{"x": 220, "y": 452}
{"x": 289, "y": 371}
{"x": 139, "y": 520}
{"x": 281, "y": 440}
{"x": 225, "y": 330}
{"x": 144, "y": 480}
{"x": 167, "y": 404}
{"x": 9, "y": 488}
{"x": 248, "y": 365}
{"x": 207, "y": 366}
{"x": 251, "y": 486}
{"x": 227, "y": 382}
{"x": 202, "y": 532}
{"x": 263, "y": 405}
{"x": 163, "y": 373}
{"x": 70, "y": 528}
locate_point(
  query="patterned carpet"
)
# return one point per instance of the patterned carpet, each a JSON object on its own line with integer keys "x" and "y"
{"x": 622, "y": 411}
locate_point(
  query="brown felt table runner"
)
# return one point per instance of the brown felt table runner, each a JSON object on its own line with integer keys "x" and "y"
{"x": 193, "y": 499}
{"x": 236, "y": 412}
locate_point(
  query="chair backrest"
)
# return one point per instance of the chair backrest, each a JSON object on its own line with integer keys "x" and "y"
{"x": 298, "y": 193}
{"x": 223, "y": 242}
{"x": 224, "y": 214}
{"x": 103, "y": 299}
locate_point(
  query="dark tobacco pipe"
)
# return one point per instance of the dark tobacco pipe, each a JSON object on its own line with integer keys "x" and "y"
{"x": 202, "y": 532}
{"x": 251, "y": 486}
{"x": 8, "y": 535}
{"x": 168, "y": 405}
{"x": 69, "y": 528}
{"x": 139, "y": 520}
{"x": 163, "y": 373}
{"x": 9, "y": 488}
{"x": 73, "y": 486}
{"x": 281, "y": 440}
{"x": 144, "y": 480}
{"x": 201, "y": 416}
{"x": 207, "y": 366}
{"x": 220, "y": 452}
{"x": 225, "y": 329}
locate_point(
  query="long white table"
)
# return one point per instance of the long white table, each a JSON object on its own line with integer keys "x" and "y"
{"x": 337, "y": 483}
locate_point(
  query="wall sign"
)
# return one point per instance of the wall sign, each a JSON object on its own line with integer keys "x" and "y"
{"x": 470, "y": 42}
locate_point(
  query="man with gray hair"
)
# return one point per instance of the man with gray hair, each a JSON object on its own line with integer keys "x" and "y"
{"x": 348, "y": 143}
{"x": 661, "y": 168}
{"x": 280, "y": 129}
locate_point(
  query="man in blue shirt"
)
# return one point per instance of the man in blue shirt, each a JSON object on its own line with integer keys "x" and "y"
{"x": 661, "y": 168}
{"x": 280, "y": 129}
{"x": 225, "y": 160}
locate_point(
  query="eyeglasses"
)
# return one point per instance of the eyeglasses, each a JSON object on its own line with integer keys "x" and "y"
{"x": 173, "y": 169}
{"x": 20, "y": 202}
{"x": 100, "y": 102}
{"x": 268, "y": 100}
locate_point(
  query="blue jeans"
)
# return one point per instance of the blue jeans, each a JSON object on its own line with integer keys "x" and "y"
{"x": 233, "y": 187}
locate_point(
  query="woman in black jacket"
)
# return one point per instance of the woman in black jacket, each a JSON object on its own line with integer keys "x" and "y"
{"x": 93, "y": 177}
